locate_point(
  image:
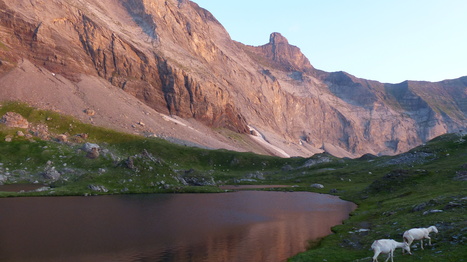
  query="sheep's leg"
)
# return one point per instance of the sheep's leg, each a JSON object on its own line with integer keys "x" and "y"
{"x": 409, "y": 242}
{"x": 389, "y": 255}
{"x": 375, "y": 257}
{"x": 429, "y": 241}
{"x": 421, "y": 243}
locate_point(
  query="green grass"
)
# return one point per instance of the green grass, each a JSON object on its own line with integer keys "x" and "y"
{"x": 393, "y": 193}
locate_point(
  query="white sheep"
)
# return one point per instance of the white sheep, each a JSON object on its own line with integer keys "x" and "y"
{"x": 419, "y": 234}
{"x": 387, "y": 246}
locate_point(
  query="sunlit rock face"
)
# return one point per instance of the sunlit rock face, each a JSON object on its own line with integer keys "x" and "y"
{"x": 178, "y": 60}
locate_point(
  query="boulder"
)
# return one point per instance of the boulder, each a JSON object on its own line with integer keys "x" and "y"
{"x": 88, "y": 147}
{"x": 12, "y": 119}
{"x": 92, "y": 150}
{"x": 51, "y": 173}
{"x": 98, "y": 188}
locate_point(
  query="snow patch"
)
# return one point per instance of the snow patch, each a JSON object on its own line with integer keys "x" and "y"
{"x": 258, "y": 137}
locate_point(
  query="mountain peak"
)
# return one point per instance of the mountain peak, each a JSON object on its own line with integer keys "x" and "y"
{"x": 283, "y": 55}
{"x": 276, "y": 38}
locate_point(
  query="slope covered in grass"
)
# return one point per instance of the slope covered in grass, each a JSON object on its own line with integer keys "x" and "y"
{"x": 426, "y": 186}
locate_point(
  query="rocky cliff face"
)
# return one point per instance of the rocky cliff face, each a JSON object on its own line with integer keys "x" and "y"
{"x": 178, "y": 60}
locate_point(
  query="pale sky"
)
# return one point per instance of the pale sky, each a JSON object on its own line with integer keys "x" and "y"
{"x": 385, "y": 40}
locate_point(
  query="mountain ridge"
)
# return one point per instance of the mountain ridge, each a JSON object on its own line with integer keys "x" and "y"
{"x": 178, "y": 61}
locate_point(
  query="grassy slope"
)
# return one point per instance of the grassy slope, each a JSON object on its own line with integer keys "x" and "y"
{"x": 392, "y": 192}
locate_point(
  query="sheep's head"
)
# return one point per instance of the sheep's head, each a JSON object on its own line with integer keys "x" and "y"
{"x": 434, "y": 229}
{"x": 406, "y": 247}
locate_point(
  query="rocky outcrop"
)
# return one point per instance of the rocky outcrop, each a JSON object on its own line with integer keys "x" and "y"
{"x": 13, "y": 119}
{"x": 177, "y": 59}
{"x": 279, "y": 54}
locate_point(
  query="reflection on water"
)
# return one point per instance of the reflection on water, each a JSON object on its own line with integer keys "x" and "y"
{"x": 240, "y": 226}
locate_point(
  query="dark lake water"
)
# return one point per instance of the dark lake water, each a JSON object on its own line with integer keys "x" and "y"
{"x": 238, "y": 226}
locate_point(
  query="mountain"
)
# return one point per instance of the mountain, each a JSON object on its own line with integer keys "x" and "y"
{"x": 169, "y": 68}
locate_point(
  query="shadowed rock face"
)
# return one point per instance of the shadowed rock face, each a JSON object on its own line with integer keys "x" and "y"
{"x": 176, "y": 58}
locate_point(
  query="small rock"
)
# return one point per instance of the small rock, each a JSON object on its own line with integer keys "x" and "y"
{"x": 83, "y": 135}
{"x": 254, "y": 132}
{"x": 453, "y": 205}
{"x": 419, "y": 207}
{"x": 316, "y": 185}
{"x": 62, "y": 138}
{"x": 432, "y": 211}
{"x": 89, "y": 112}
{"x": 42, "y": 189}
{"x": 98, "y": 188}
{"x": 93, "y": 154}
{"x": 87, "y": 147}
{"x": 359, "y": 230}
{"x": 255, "y": 175}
